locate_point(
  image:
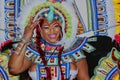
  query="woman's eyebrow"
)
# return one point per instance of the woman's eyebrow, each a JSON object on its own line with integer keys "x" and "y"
{"x": 46, "y": 26}
{"x": 55, "y": 23}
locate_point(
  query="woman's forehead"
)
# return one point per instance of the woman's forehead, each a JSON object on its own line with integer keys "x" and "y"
{"x": 51, "y": 23}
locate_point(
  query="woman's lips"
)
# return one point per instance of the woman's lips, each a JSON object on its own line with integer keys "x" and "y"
{"x": 52, "y": 35}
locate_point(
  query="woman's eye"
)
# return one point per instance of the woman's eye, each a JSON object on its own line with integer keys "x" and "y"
{"x": 46, "y": 28}
{"x": 56, "y": 26}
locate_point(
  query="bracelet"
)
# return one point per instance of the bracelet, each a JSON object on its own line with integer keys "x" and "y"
{"x": 21, "y": 44}
{"x": 19, "y": 47}
{"x": 25, "y": 40}
{"x": 16, "y": 52}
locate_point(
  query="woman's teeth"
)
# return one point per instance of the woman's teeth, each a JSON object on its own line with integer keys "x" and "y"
{"x": 52, "y": 36}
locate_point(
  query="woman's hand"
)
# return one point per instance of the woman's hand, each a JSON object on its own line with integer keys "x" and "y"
{"x": 28, "y": 32}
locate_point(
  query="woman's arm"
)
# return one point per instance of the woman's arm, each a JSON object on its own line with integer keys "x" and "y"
{"x": 18, "y": 63}
{"x": 82, "y": 70}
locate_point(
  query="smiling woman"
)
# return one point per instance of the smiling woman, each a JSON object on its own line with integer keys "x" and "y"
{"x": 49, "y": 47}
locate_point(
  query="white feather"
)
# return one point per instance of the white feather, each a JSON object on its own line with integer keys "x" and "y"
{"x": 2, "y": 20}
{"x": 69, "y": 7}
{"x": 111, "y": 18}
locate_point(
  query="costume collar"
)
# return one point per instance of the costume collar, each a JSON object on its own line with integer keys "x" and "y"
{"x": 48, "y": 47}
{"x": 49, "y": 44}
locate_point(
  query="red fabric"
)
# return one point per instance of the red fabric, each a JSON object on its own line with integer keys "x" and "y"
{"x": 59, "y": 59}
{"x": 113, "y": 56}
{"x": 7, "y": 42}
{"x": 117, "y": 38}
{"x": 42, "y": 53}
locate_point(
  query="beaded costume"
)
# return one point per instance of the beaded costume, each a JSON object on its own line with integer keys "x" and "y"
{"x": 75, "y": 46}
{"x": 56, "y": 61}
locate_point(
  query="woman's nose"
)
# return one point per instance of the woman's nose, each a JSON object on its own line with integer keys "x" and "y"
{"x": 52, "y": 30}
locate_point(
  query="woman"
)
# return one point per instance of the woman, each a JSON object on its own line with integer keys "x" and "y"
{"x": 48, "y": 34}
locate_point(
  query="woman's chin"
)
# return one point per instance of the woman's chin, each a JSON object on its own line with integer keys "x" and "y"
{"x": 52, "y": 41}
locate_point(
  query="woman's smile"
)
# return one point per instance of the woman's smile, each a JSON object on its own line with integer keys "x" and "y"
{"x": 52, "y": 36}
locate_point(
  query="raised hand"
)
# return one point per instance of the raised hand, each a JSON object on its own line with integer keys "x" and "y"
{"x": 28, "y": 32}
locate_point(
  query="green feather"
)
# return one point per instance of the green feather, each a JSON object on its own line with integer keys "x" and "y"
{"x": 50, "y": 16}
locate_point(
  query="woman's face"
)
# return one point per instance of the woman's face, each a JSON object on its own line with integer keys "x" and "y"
{"x": 51, "y": 31}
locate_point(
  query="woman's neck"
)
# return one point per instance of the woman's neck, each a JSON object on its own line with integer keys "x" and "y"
{"x": 49, "y": 44}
